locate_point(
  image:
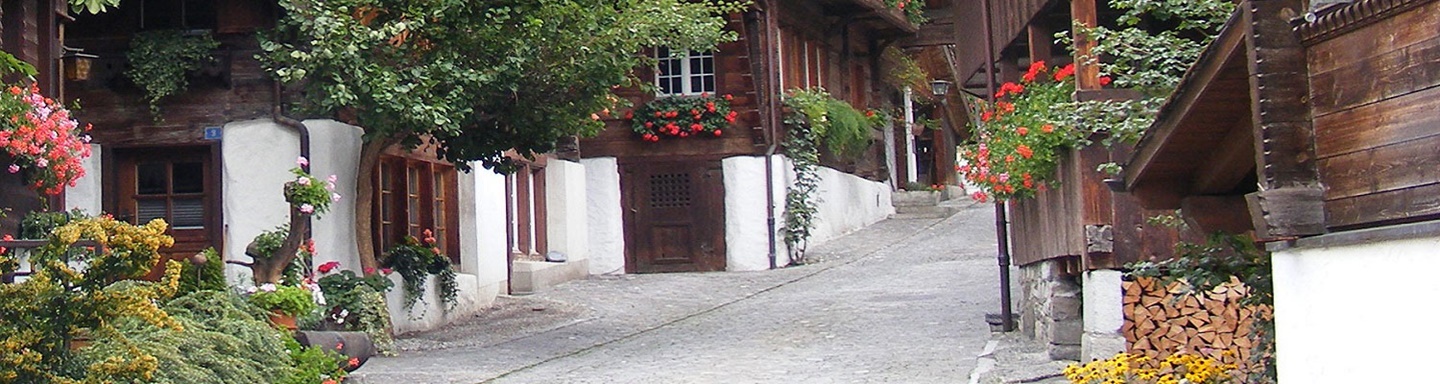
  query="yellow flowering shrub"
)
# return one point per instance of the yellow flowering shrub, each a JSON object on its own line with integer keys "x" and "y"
{"x": 1126, "y": 368}
{"x": 61, "y": 300}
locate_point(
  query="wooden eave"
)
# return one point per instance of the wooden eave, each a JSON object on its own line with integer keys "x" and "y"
{"x": 1348, "y": 17}
{"x": 885, "y": 17}
{"x": 1210, "y": 107}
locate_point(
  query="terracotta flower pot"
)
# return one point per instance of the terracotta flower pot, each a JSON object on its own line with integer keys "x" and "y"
{"x": 283, "y": 320}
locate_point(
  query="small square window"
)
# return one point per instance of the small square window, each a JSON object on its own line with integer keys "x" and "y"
{"x": 690, "y": 74}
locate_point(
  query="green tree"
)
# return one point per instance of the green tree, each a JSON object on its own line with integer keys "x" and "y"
{"x": 475, "y": 78}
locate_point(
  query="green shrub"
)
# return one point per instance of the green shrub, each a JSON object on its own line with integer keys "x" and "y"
{"x": 223, "y": 340}
{"x": 289, "y": 300}
{"x": 205, "y": 277}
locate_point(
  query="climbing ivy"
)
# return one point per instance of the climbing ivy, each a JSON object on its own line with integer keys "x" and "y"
{"x": 816, "y": 118}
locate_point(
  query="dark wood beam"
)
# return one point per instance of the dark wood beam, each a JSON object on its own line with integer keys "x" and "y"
{"x": 1227, "y": 213}
{"x": 1292, "y": 199}
{"x": 1230, "y": 162}
{"x": 1087, "y": 69}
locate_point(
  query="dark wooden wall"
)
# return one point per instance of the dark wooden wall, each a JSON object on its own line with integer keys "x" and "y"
{"x": 1009, "y": 20}
{"x": 1375, "y": 93}
{"x": 842, "y": 59}
{"x": 233, "y": 88}
{"x": 732, "y": 77}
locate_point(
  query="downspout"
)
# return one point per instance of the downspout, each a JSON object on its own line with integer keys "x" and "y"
{"x": 772, "y": 124}
{"x": 1002, "y": 235}
{"x": 277, "y": 113}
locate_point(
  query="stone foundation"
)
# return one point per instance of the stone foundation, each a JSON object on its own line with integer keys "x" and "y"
{"x": 1050, "y": 308}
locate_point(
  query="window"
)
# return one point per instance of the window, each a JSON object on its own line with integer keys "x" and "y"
{"x": 525, "y": 209}
{"x": 691, "y": 73}
{"x": 414, "y": 195}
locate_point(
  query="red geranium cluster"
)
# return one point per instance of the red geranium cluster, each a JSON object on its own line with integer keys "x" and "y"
{"x": 43, "y": 139}
{"x": 1019, "y": 142}
{"x": 682, "y": 116}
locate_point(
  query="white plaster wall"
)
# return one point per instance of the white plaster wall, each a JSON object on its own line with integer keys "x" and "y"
{"x": 256, "y": 158}
{"x": 746, "y": 243}
{"x": 847, "y": 203}
{"x": 429, "y": 312}
{"x": 566, "y": 209}
{"x": 86, "y": 193}
{"x": 1357, "y": 314}
{"x": 604, "y": 219}
{"x": 334, "y": 150}
{"x": 1103, "y": 305}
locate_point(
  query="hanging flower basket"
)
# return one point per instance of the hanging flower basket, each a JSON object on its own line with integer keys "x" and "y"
{"x": 47, "y": 145}
{"x": 682, "y": 116}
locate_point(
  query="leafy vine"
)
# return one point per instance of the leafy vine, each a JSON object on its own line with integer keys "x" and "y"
{"x": 816, "y": 118}
{"x": 160, "y": 59}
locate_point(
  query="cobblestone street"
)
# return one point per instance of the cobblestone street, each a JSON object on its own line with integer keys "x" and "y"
{"x": 902, "y": 301}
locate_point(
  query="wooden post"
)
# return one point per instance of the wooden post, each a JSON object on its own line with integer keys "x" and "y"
{"x": 1291, "y": 199}
{"x": 1041, "y": 38}
{"x": 1087, "y": 70}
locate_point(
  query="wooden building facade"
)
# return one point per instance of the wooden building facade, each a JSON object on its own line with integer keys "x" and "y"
{"x": 672, "y": 191}
{"x": 1326, "y": 138}
{"x": 31, "y": 32}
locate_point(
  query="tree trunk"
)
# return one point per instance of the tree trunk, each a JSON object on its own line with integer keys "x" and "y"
{"x": 365, "y": 187}
{"x": 271, "y": 269}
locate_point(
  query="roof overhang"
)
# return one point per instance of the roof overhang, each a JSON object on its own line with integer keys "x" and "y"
{"x": 1202, "y": 141}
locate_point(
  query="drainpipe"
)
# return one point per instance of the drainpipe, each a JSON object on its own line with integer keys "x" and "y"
{"x": 772, "y": 123}
{"x": 277, "y": 114}
{"x": 1002, "y": 235}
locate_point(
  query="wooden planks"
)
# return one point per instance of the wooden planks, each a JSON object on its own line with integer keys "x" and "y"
{"x": 1374, "y": 93}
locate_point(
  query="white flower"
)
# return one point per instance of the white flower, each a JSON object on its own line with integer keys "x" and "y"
{"x": 307, "y": 208}
{"x": 250, "y": 290}
{"x": 267, "y": 287}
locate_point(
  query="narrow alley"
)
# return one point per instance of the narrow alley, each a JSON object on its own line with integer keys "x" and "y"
{"x": 900, "y": 301}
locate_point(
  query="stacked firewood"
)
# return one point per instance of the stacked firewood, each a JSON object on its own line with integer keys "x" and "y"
{"x": 1164, "y": 319}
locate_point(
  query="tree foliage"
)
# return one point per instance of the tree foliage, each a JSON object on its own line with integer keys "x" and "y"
{"x": 479, "y": 77}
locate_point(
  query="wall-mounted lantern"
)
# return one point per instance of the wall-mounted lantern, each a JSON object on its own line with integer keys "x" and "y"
{"x": 77, "y": 64}
{"x": 939, "y": 87}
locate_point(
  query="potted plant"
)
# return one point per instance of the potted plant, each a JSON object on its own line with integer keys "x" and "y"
{"x": 284, "y": 303}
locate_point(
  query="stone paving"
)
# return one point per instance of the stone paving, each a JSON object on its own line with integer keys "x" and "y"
{"x": 901, "y": 301}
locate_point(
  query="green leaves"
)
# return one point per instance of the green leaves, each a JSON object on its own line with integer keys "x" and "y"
{"x": 479, "y": 77}
{"x": 160, "y": 60}
{"x": 92, "y": 6}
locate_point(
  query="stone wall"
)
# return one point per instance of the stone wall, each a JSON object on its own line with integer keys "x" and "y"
{"x": 1050, "y": 308}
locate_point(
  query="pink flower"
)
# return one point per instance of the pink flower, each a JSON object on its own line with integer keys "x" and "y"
{"x": 386, "y": 271}
{"x": 302, "y": 180}
{"x": 369, "y": 270}
{"x": 41, "y": 162}
{"x": 332, "y": 178}
{"x": 302, "y": 161}
{"x": 307, "y": 208}
{"x": 14, "y": 168}
{"x": 334, "y": 197}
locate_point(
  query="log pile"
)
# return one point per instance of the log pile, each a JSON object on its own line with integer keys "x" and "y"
{"x": 1165, "y": 319}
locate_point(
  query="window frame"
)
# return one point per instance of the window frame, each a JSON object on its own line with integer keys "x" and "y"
{"x": 399, "y": 211}
{"x": 687, "y": 74}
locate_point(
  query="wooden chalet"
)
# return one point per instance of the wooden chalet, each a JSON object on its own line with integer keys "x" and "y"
{"x": 783, "y": 45}
{"x": 26, "y": 29}
{"x": 1314, "y": 125}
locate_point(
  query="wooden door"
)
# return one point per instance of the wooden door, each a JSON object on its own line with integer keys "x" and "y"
{"x": 674, "y": 216}
{"x": 175, "y": 184}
